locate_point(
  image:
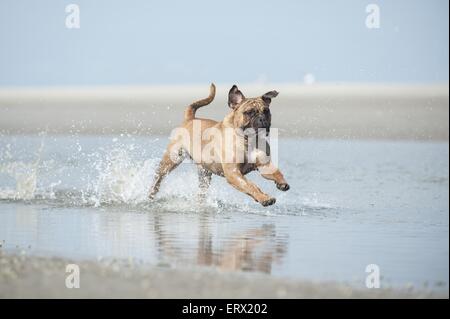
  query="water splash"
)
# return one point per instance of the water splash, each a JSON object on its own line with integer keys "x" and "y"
{"x": 121, "y": 179}
{"x": 75, "y": 171}
{"x": 25, "y": 175}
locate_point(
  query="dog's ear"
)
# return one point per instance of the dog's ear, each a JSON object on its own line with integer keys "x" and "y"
{"x": 267, "y": 97}
{"x": 235, "y": 97}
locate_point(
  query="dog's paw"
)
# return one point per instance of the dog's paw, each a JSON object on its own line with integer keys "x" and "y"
{"x": 268, "y": 202}
{"x": 283, "y": 187}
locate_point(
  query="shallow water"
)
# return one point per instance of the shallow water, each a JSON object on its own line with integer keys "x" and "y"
{"x": 351, "y": 204}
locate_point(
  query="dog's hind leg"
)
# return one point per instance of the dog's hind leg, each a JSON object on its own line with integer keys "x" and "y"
{"x": 170, "y": 160}
{"x": 204, "y": 180}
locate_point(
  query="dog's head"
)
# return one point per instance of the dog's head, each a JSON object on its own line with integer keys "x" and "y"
{"x": 250, "y": 112}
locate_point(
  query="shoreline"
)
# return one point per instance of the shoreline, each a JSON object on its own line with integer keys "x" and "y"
{"x": 24, "y": 276}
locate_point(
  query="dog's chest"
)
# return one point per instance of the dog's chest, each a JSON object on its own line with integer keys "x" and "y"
{"x": 246, "y": 168}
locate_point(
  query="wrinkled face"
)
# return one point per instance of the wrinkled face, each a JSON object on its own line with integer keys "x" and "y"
{"x": 250, "y": 112}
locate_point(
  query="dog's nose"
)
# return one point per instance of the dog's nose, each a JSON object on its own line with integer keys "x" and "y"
{"x": 262, "y": 122}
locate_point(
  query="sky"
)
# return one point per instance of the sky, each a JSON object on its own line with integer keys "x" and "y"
{"x": 192, "y": 42}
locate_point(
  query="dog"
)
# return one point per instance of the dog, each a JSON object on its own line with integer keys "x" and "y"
{"x": 245, "y": 113}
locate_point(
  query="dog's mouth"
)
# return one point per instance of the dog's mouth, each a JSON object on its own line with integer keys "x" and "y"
{"x": 260, "y": 122}
{"x": 252, "y": 129}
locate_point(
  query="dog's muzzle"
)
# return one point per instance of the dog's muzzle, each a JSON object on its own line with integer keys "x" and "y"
{"x": 257, "y": 125}
{"x": 261, "y": 122}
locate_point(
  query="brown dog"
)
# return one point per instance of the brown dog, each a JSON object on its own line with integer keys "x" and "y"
{"x": 227, "y": 161}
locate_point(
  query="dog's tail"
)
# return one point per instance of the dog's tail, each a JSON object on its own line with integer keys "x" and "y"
{"x": 189, "y": 114}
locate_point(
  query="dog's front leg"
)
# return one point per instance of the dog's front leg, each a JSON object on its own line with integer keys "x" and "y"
{"x": 238, "y": 181}
{"x": 269, "y": 171}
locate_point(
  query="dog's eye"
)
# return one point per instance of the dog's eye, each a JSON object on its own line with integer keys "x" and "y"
{"x": 249, "y": 112}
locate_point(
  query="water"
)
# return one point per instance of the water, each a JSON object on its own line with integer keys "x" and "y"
{"x": 351, "y": 204}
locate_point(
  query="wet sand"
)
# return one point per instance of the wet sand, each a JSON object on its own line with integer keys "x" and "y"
{"x": 347, "y": 111}
{"x": 24, "y": 276}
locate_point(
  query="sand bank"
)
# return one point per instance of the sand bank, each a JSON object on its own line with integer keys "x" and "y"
{"x": 316, "y": 111}
{"x": 36, "y": 277}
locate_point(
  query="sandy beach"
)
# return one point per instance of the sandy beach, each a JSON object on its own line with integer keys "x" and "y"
{"x": 348, "y": 111}
{"x": 24, "y": 276}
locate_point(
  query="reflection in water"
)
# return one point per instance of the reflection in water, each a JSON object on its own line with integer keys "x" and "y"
{"x": 188, "y": 239}
{"x": 252, "y": 249}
